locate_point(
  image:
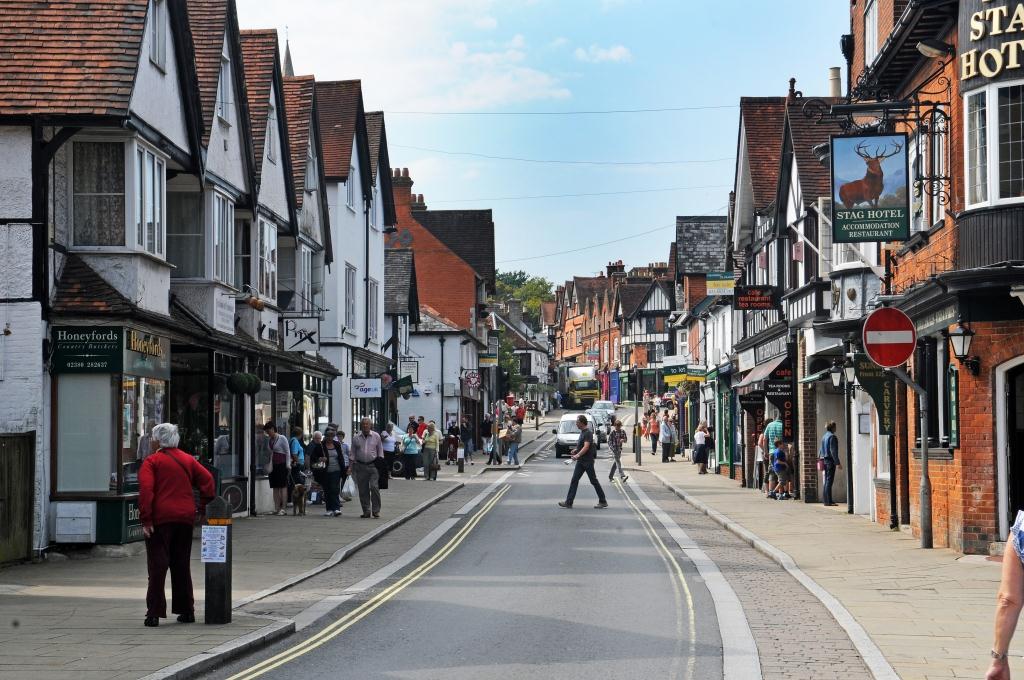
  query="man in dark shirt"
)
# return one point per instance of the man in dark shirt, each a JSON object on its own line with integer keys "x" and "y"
{"x": 585, "y": 455}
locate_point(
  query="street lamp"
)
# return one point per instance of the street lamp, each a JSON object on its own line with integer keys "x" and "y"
{"x": 836, "y": 373}
{"x": 935, "y": 49}
{"x": 849, "y": 372}
{"x": 960, "y": 340}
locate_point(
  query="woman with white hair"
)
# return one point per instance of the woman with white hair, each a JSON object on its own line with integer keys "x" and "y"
{"x": 167, "y": 509}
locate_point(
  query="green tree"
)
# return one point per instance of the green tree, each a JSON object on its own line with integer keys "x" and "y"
{"x": 509, "y": 361}
{"x": 533, "y": 291}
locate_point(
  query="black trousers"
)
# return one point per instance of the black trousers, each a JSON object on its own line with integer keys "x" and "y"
{"x": 830, "y": 477}
{"x": 170, "y": 547}
{"x": 584, "y": 467}
{"x": 667, "y": 451}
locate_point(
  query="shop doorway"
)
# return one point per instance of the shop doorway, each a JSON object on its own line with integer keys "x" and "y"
{"x": 1014, "y": 420}
{"x": 16, "y": 484}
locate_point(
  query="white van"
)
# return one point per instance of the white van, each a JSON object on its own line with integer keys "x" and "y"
{"x": 567, "y": 434}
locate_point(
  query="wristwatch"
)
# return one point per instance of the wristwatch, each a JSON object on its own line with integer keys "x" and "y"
{"x": 997, "y": 656}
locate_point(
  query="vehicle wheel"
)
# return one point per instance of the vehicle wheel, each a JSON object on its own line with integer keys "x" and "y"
{"x": 397, "y": 468}
{"x": 558, "y": 453}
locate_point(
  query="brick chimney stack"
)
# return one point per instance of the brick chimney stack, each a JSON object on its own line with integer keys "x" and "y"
{"x": 417, "y": 203}
{"x": 401, "y": 187}
{"x": 515, "y": 312}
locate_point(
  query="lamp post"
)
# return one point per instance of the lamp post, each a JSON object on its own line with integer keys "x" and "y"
{"x": 845, "y": 373}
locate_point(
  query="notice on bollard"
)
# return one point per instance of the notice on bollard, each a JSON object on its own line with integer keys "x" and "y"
{"x": 214, "y": 544}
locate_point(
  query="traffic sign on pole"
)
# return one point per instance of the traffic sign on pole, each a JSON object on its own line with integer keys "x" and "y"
{"x": 889, "y": 337}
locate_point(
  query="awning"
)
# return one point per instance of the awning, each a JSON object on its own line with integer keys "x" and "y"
{"x": 761, "y": 371}
{"x": 815, "y": 377}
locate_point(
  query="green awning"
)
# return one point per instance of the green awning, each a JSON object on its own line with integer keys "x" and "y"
{"x": 815, "y": 377}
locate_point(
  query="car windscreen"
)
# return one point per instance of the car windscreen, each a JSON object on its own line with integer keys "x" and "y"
{"x": 568, "y": 427}
{"x": 585, "y": 385}
{"x": 603, "y": 406}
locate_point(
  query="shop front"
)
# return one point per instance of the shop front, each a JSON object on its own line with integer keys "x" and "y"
{"x": 305, "y": 399}
{"x": 366, "y": 388}
{"x": 110, "y": 386}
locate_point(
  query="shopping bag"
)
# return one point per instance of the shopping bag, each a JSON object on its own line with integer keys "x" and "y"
{"x": 348, "y": 490}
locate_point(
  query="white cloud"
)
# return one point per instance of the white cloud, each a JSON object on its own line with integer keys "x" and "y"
{"x": 486, "y": 23}
{"x": 596, "y": 54}
{"x": 410, "y": 54}
{"x": 560, "y": 41}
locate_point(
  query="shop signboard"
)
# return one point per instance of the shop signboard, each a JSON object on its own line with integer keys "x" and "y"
{"x": 870, "y": 197}
{"x": 881, "y": 386}
{"x": 409, "y": 368}
{"x": 146, "y": 354}
{"x": 87, "y": 349}
{"x": 755, "y": 298}
{"x": 118, "y": 521}
{"x": 720, "y": 283}
{"x": 224, "y": 313}
{"x": 366, "y": 388}
{"x": 301, "y": 334}
{"x": 779, "y": 391}
{"x": 989, "y": 42}
{"x": 746, "y": 360}
{"x": 489, "y": 358}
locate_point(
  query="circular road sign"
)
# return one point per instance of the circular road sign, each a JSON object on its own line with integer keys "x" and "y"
{"x": 889, "y": 337}
{"x": 472, "y": 379}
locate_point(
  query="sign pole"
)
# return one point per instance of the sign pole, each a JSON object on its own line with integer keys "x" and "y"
{"x": 926, "y": 482}
{"x": 216, "y": 555}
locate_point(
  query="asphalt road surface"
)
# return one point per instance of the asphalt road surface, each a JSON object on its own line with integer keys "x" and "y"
{"x": 520, "y": 588}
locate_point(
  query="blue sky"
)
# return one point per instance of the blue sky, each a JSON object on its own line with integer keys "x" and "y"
{"x": 543, "y": 55}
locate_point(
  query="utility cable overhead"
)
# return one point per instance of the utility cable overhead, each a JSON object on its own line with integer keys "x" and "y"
{"x": 558, "y": 161}
{"x": 594, "y": 193}
{"x": 593, "y": 112}
{"x": 598, "y": 245}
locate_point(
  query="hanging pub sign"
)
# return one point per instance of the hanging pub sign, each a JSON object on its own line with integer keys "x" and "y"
{"x": 780, "y": 393}
{"x": 881, "y": 385}
{"x": 755, "y": 298}
{"x": 870, "y": 197}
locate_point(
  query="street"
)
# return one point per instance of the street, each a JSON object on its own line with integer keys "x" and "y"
{"x": 520, "y": 587}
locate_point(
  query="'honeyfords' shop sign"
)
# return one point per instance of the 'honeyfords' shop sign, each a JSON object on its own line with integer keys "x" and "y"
{"x": 870, "y": 200}
{"x": 87, "y": 349}
{"x": 991, "y": 45}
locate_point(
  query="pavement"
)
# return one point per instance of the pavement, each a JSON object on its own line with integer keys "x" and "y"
{"x": 928, "y": 612}
{"x": 84, "y": 616}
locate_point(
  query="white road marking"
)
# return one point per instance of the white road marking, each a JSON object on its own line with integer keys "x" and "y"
{"x": 739, "y": 651}
{"x": 483, "y": 494}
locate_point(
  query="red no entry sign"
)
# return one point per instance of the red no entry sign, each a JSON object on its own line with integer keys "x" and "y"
{"x": 889, "y": 337}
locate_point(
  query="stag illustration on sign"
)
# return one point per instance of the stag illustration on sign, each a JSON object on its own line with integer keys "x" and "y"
{"x": 868, "y": 189}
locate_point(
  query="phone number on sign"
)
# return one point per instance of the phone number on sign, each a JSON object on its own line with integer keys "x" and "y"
{"x": 87, "y": 364}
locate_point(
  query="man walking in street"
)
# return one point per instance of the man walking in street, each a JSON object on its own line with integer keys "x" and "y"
{"x": 366, "y": 449}
{"x": 468, "y": 437}
{"x": 668, "y": 438}
{"x": 585, "y": 456}
{"x": 615, "y": 441}
{"x": 828, "y": 453}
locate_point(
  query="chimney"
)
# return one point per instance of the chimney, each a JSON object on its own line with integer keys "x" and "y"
{"x": 615, "y": 267}
{"x": 417, "y": 203}
{"x": 835, "y": 83}
{"x": 401, "y": 188}
{"x": 515, "y": 312}
{"x": 792, "y": 90}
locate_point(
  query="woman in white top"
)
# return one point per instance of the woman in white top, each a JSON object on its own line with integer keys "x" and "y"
{"x": 700, "y": 448}
{"x": 759, "y": 466}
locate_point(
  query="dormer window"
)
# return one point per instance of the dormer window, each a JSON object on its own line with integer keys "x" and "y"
{"x": 272, "y": 133}
{"x": 158, "y": 33}
{"x": 224, "y": 87}
{"x": 101, "y": 194}
{"x": 310, "y": 169}
{"x": 373, "y": 209}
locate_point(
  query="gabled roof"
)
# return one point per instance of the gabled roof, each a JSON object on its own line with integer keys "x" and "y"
{"x": 342, "y": 121}
{"x": 401, "y": 297}
{"x": 69, "y": 58}
{"x": 468, "y": 233}
{"x": 547, "y": 313}
{"x": 208, "y": 20}
{"x": 259, "y": 52}
{"x": 519, "y": 339}
{"x": 806, "y": 133}
{"x": 588, "y": 287}
{"x": 298, "y": 101}
{"x": 631, "y": 296}
{"x": 380, "y": 162}
{"x": 762, "y": 121}
{"x": 433, "y": 320}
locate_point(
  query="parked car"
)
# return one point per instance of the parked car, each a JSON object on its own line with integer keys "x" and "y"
{"x": 603, "y": 423}
{"x": 606, "y": 406}
{"x": 567, "y": 434}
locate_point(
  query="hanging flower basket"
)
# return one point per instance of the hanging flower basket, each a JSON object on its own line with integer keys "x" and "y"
{"x": 244, "y": 383}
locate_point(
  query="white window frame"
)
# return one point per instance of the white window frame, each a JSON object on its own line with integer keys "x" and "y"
{"x": 266, "y": 258}
{"x": 373, "y": 209}
{"x": 311, "y": 179}
{"x": 129, "y": 193}
{"x": 350, "y": 189}
{"x": 870, "y": 31}
{"x": 153, "y": 170}
{"x": 306, "y": 281}
{"x": 222, "y": 228}
{"x": 373, "y": 295}
{"x": 350, "y": 298}
{"x": 224, "y": 90}
{"x": 158, "y": 34}
{"x": 992, "y": 149}
{"x": 272, "y": 131}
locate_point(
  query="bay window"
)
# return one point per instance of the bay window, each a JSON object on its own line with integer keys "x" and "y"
{"x": 223, "y": 238}
{"x": 185, "y": 234}
{"x": 98, "y": 193}
{"x": 149, "y": 201}
{"x": 994, "y": 145}
{"x": 266, "y": 251}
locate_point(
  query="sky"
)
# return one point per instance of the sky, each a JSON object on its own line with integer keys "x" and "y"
{"x": 421, "y": 60}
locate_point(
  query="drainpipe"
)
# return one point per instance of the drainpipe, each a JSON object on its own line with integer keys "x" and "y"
{"x": 440, "y": 421}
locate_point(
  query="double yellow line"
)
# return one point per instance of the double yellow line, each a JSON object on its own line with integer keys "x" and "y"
{"x": 362, "y": 611}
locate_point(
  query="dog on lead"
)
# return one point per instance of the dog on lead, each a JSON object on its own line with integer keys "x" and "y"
{"x": 298, "y": 487}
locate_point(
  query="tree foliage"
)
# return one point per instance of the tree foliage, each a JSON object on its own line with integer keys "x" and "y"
{"x": 533, "y": 291}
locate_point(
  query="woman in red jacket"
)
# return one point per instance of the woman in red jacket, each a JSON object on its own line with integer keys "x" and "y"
{"x": 168, "y": 511}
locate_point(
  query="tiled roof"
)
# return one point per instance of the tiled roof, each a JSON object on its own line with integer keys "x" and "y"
{"x": 399, "y": 281}
{"x": 69, "y": 57}
{"x": 339, "y": 103}
{"x": 80, "y": 290}
{"x": 468, "y": 233}
{"x": 433, "y": 320}
{"x": 547, "y": 313}
{"x": 374, "y": 127}
{"x": 259, "y": 54}
{"x": 763, "y": 120}
{"x": 298, "y": 103}
{"x": 208, "y": 20}
{"x": 806, "y": 133}
{"x": 631, "y": 296}
{"x": 589, "y": 286}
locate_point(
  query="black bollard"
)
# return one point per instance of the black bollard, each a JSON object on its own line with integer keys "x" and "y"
{"x": 216, "y": 555}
